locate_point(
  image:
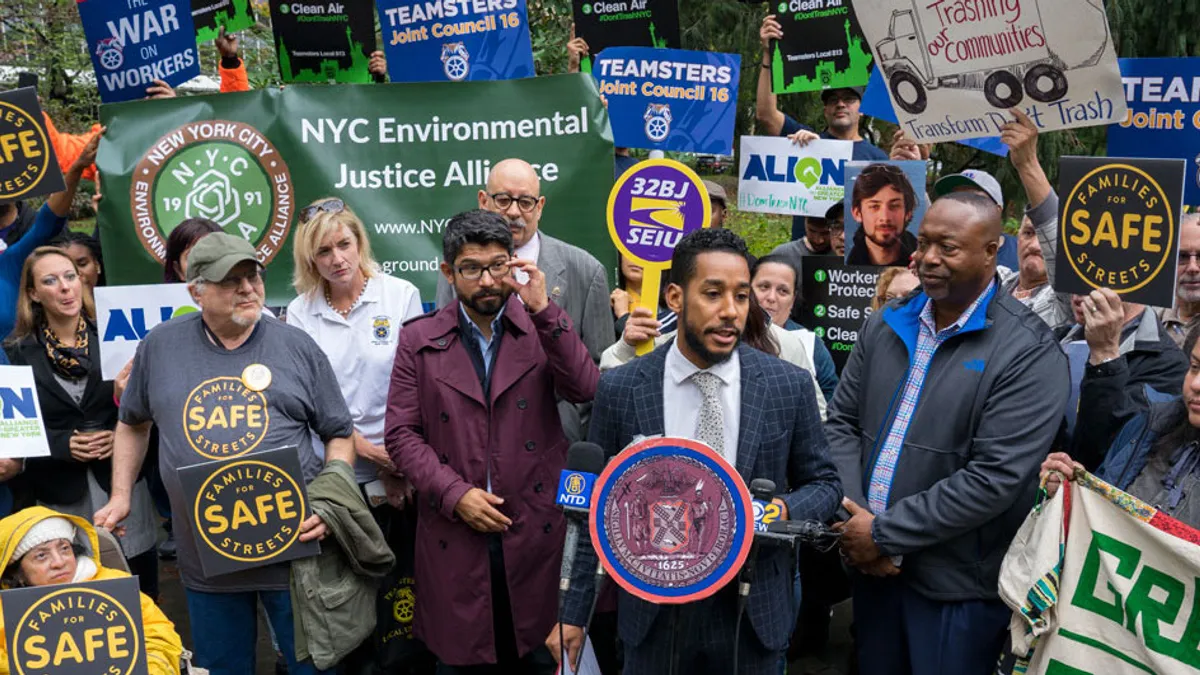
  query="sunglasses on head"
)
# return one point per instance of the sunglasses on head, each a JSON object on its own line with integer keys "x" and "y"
{"x": 327, "y": 206}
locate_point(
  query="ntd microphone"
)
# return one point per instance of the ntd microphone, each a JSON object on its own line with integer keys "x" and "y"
{"x": 575, "y": 483}
{"x": 584, "y": 461}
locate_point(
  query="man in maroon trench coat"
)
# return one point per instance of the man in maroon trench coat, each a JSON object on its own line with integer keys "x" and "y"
{"x": 472, "y": 421}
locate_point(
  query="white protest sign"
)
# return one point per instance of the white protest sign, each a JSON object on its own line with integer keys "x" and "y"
{"x": 955, "y": 67}
{"x": 779, "y": 176}
{"x": 21, "y": 431}
{"x": 1120, "y": 598}
{"x": 125, "y": 314}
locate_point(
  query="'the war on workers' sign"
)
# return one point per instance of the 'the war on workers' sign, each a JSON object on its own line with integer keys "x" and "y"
{"x": 28, "y": 165}
{"x": 90, "y": 628}
{"x": 625, "y": 23}
{"x": 1164, "y": 115}
{"x": 134, "y": 42}
{"x": 322, "y": 41}
{"x": 778, "y": 176}
{"x": 954, "y": 67}
{"x": 22, "y": 433}
{"x": 455, "y": 40}
{"x": 125, "y": 315}
{"x": 1119, "y": 227}
{"x": 822, "y": 47}
{"x": 837, "y": 300}
{"x": 670, "y": 99}
{"x": 210, "y": 15}
{"x": 247, "y": 511}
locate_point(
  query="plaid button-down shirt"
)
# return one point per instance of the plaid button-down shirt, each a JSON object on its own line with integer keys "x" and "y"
{"x": 929, "y": 338}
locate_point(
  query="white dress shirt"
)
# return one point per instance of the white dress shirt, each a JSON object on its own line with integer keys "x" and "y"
{"x": 361, "y": 349}
{"x": 682, "y": 398}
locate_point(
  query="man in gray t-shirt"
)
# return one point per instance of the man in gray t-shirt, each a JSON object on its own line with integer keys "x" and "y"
{"x": 218, "y": 384}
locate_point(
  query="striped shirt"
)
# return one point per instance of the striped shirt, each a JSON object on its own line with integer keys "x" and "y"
{"x": 929, "y": 338}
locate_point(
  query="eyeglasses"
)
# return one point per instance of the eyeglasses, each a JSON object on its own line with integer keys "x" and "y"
{"x": 232, "y": 283}
{"x": 1186, "y": 257}
{"x": 503, "y": 200}
{"x": 474, "y": 272}
{"x": 327, "y": 206}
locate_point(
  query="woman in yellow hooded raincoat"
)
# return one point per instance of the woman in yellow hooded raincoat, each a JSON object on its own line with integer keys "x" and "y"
{"x": 39, "y": 546}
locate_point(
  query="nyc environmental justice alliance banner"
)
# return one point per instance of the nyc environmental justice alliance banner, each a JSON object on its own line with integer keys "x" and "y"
{"x": 406, "y": 158}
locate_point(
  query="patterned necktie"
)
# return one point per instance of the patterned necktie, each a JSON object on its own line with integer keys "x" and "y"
{"x": 710, "y": 428}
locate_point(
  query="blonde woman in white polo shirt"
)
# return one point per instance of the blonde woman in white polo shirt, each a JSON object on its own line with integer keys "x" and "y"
{"x": 354, "y": 312}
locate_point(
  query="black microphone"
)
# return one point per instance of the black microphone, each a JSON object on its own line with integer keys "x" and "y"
{"x": 763, "y": 490}
{"x": 811, "y": 532}
{"x": 584, "y": 462}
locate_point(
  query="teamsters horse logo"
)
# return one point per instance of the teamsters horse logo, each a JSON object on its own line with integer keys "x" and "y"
{"x": 658, "y": 121}
{"x": 456, "y": 61}
{"x": 227, "y": 172}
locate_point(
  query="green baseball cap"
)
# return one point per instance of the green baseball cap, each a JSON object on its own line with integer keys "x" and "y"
{"x": 214, "y": 255}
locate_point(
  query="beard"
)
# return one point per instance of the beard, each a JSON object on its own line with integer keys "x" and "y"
{"x": 884, "y": 239}
{"x": 695, "y": 340}
{"x": 239, "y": 319}
{"x": 485, "y": 303}
{"x": 1186, "y": 294}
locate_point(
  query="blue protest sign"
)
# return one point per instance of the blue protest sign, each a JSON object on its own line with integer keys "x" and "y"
{"x": 876, "y": 103}
{"x": 1164, "y": 115}
{"x": 670, "y": 99}
{"x": 455, "y": 40}
{"x": 134, "y": 42}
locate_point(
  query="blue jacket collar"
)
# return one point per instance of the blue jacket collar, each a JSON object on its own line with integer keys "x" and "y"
{"x": 904, "y": 318}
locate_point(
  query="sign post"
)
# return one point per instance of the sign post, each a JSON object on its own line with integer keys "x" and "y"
{"x": 651, "y": 207}
{"x": 821, "y": 49}
{"x": 1119, "y": 227}
{"x": 125, "y": 315}
{"x": 778, "y": 176}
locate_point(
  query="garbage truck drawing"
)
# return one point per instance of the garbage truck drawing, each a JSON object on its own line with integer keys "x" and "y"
{"x": 1006, "y": 48}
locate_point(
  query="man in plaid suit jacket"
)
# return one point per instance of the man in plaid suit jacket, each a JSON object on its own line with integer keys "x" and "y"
{"x": 778, "y": 437}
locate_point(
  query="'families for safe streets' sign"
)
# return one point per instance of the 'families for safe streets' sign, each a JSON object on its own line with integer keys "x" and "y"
{"x": 778, "y": 176}
{"x": 625, "y": 23}
{"x": 837, "y": 301}
{"x": 210, "y": 15}
{"x": 22, "y": 431}
{"x": 1164, "y": 115}
{"x": 1119, "y": 227}
{"x": 406, "y": 158}
{"x": 670, "y": 99}
{"x": 28, "y": 165}
{"x": 822, "y": 47}
{"x": 323, "y": 41}
{"x": 955, "y": 67}
{"x": 134, "y": 42}
{"x": 455, "y": 40}
{"x": 247, "y": 511}
{"x": 91, "y": 628}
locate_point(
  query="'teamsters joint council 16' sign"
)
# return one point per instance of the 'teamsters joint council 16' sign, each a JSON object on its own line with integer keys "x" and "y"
{"x": 1119, "y": 227}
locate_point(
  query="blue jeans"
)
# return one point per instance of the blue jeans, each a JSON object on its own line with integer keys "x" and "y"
{"x": 225, "y": 630}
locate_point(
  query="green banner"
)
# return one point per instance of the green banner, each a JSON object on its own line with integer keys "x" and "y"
{"x": 405, "y": 157}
